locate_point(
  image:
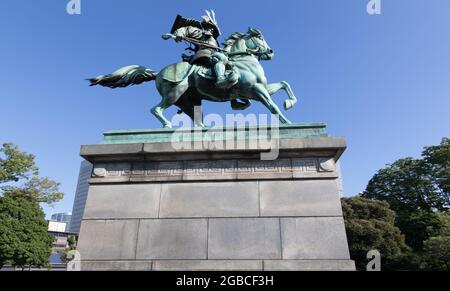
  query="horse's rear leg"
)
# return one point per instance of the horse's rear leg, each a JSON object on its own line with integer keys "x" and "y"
{"x": 170, "y": 95}
{"x": 192, "y": 107}
{"x": 158, "y": 111}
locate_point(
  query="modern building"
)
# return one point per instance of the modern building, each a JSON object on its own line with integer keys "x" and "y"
{"x": 80, "y": 196}
{"x": 59, "y": 239}
{"x": 60, "y": 234}
{"x": 64, "y": 217}
{"x": 55, "y": 226}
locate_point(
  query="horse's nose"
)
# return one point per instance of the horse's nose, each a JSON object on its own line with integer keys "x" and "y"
{"x": 270, "y": 51}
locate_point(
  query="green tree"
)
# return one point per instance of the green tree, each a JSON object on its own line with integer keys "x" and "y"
{"x": 16, "y": 164}
{"x": 24, "y": 240}
{"x": 418, "y": 226}
{"x": 23, "y": 229}
{"x": 445, "y": 223}
{"x": 406, "y": 185}
{"x": 37, "y": 189}
{"x": 19, "y": 167}
{"x": 72, "y": 242}
{"x": 416, "y": 189}
{"x": 437, "y": 161}
{"x": 436, "y": 255}
{"x": 370, "y": 226}
{"x": 436, "y": 249}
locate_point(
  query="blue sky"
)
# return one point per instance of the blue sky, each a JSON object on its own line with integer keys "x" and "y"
{"x": 381, "y": 81}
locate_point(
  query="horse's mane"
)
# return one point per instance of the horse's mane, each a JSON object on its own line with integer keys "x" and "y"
{"x": 231, "y": 40}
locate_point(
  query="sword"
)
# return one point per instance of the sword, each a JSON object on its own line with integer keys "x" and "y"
{"x": 193, "y": 41}
{"x": 199, "y": 42}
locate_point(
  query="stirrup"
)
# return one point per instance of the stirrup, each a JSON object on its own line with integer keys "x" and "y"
{"x": 222, "y": 83}
{"x": 227, "y": 82}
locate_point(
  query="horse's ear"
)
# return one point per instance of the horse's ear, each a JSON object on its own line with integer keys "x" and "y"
{"x": 254, "y": 32}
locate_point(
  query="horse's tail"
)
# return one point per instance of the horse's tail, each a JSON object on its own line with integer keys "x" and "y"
{"x": 123, "y": 77}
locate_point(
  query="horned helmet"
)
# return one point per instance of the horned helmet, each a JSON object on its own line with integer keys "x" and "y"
{"x": 210, "y": 22}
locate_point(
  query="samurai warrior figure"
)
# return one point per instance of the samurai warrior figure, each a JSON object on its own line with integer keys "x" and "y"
{"x": 207, "y": 51}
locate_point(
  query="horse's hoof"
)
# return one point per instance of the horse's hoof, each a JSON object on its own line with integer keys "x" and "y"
{"x": 288, "y": 104}
{"x": 167, "y": 126}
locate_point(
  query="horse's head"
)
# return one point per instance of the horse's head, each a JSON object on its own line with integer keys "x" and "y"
{"x": 256, "y": 43}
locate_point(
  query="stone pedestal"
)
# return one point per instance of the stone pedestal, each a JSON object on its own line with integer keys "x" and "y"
{"x": 159, "y": 204}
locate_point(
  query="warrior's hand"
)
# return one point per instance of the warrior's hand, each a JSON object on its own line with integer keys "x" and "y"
{"x": 169, "y": 36}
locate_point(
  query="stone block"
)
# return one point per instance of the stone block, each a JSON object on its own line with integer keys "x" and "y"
{"x": 313, "y": 143}
{"x": 220, "y": 199}
{"x": 208, "y": 265}
{"x": 300, "y": 198}
{"x": 259, "y": 170}
{"x": 168, "y": 171}
{"x": 116, "y": 266}
{"x": 108, "y": 239}
{"x": 172, "y": 239}
{"x": 210, "y": 170}
{"x": 110, "y": 149}
{"x": 314, "y": 238}
{"x": 158, "y": 204}
{"x": 244, "y": 238}
{"x": 123, "y": 201}
{"x": 309, "y": 265}
{"x": 111, "y": 172}
{"x": 314, "y": 168}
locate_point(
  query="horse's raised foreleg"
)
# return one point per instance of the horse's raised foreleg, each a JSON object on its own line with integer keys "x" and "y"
{"x": 275, "y": 87}
{"x": 263, "y": 95}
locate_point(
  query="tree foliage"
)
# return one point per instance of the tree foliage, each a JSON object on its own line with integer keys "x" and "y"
{"x": 406, "y": 185}
{"x": 436, "y": 160}
{"x": 37, "y": 189}
{"x": 436, "y": 249}
{"x": 418, "y": 226}
{"x": 24, "y": 240}
{"x": 17, "y": 166}
{"x": 436, "y": 255}
{"x": 416, "y": 189}
{"x": 445, "y": 223}
{"x": 72, "y": 243}
{"x": 370, "y": 226}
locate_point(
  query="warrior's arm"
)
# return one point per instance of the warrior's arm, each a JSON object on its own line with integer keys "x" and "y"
{"x": 189, "y": 31}
{"x": 227, "y": 48}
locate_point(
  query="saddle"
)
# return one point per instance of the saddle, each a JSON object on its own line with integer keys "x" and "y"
{"x": 181, "y": 71}
{"x": 208, "y": 73}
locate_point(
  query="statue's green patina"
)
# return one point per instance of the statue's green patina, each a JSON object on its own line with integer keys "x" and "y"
{"x": 232, "y": 73}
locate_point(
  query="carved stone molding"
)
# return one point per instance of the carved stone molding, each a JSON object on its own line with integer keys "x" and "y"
{"x": 214, "y": 170}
